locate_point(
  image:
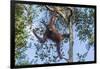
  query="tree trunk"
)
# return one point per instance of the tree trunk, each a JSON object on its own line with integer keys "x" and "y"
{"x": 70, "y": 52}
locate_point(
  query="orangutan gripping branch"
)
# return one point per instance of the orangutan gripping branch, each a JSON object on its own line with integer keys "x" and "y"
{"x": 51, "y": 33}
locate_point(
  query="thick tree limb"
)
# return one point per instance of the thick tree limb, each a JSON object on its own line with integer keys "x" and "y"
{"x": 60, "y": 10}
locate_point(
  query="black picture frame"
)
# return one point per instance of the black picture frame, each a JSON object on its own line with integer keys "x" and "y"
{"x": 12, "y": 60}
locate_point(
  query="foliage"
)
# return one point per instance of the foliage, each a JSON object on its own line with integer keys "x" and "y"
{"x": 84, "y": 23}
{"x": 20, "y": 34}
{"x": 26, "y": 16}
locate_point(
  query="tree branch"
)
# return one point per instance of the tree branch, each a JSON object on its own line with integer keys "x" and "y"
{"x": 42, "y": 40}
{"x": 60, "y": 11}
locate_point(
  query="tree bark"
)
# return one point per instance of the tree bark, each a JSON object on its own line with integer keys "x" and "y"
{"x": 70, "y": 28}
{"x": 70, "y": 52}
